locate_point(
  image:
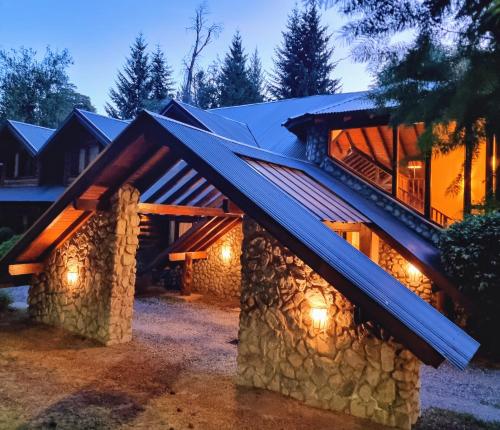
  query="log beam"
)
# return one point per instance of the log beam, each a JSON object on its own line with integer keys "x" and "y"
{"x": 179, "y": 210}
{"x": 25, "y": 268}
{"x": 183, "y": 256}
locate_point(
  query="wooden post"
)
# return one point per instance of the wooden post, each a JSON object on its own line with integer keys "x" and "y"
{"x": 488, "y": 192}
{"x": 187, "y": 276}
{"x": 427, "y": 186}
{"x": 395, "y": 160}
{"x": 368, "y": 243}
{"x": 468, "y": 174}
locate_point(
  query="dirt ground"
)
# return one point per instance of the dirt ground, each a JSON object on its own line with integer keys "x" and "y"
{"x": 177, "y": 373}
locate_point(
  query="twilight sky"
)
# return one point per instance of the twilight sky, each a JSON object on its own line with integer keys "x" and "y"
{"x": 98, "y": 34}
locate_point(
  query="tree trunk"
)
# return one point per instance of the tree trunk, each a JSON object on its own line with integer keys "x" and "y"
{"x": 469, "y": 152}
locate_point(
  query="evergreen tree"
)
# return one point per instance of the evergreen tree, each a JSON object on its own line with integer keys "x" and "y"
{"x": 235, "y": 85}
{"x": 206, "y": 93}
{"x": 257, "y": 80}
{"x": 38, "y": 91}
{"x": 162, "y": 83}
{"x": 133, "y": 85}
{"x": 303, "y": 64}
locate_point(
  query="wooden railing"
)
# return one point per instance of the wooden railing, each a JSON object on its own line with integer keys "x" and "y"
{"x": 440, "y": 218}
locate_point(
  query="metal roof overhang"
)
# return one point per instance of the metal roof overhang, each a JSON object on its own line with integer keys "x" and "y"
{"x": 144, "y": 151}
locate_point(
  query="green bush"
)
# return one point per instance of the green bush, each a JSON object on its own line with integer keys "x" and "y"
{"x": 470, "y": 252}
{"x": 5, "y": 246}
{"x": 5, "y": 301}
{"x": 5, "y": 234}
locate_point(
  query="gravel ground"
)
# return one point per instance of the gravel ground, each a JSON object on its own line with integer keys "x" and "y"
{"x": 197, "y": 338}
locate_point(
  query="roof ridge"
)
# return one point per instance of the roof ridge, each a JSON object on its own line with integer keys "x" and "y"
{"x": 104, "y": 116}
{"x": 284, "y": 100}
{"x": 31, "y": 125}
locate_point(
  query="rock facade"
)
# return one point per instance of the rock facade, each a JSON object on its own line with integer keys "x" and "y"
{"x": 340, "y": 366}
{"x": 394, "y": 263}
{"x": 220, "y": 273}
{"x": 99, "y": 303}
{"x": 317, "y": 143}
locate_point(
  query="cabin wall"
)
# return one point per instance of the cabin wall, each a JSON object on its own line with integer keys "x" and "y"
{"x": 102, "y": 253}
{"x": 341, "y": 366}
{"x": 220, "y": 273}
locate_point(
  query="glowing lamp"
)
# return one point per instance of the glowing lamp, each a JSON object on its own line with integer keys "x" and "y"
{"x": 319, "y": 317}
{"x": 413, "y": 272}
{"x": 225, "y": 253}
{"x": 72, "y": 276}
{"x": 415, "y": 165}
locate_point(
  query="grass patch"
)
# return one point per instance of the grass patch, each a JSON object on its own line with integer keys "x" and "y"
{"x": 442, "y": 419}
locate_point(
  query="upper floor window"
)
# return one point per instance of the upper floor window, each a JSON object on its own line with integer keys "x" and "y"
{"x": 81, "y": 157}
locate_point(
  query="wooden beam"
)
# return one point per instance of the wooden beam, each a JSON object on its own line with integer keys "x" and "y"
{"x": 368, "y": 143}
{"x": 182, "y": 256}
{"x": 395, "y": 160}
{"x": 25, "y": 269}
{"x": 90, "y": 205}
{"x": 489, "y": 166}
{"x": 178, "y": 210}
{"x": 343, "y": 226}
{"x": 427, "y": 186}
{"x": 229, "y": 207}
{"x": 384, "y": 143}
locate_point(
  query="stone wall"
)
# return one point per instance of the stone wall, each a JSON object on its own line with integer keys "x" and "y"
{"x": 317, "y": 143}
{"x": 341, "y": 366}
{"x": 220, "y": 273}
{"x": 394, "y": 263}
{"x": 99, "y": 303}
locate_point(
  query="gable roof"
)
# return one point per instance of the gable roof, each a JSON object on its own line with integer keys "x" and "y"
{"x": 33, "y": 137}
{"x": 425, "y": 331}
{"x": 217, "y": 124}
{"x": 104, "y": 129}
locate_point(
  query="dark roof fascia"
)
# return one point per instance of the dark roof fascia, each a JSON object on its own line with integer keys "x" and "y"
{"x": 195, "y": 122}
{"x": 11, "y": 127}
{"x": 75, "y": 115}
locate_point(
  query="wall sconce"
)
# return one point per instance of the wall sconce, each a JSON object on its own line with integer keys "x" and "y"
{"x": 225, "y": 253}
{"x": 319, "y": 317}
{"x": 72, "y": 276}
{"x": 413, "y": 273}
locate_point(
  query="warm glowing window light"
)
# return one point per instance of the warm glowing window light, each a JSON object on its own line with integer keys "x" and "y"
{"x": 72, "y": 276}
{"x": 225, "y": 253}
{"x": 319, "y": 317}
{"x": 413, "y": 272}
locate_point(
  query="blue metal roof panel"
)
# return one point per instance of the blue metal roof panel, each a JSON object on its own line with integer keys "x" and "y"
{"x": 110, "y": 128}
{"x": 383, "y": 289}
{"x": 30, "y": 194}
{"x": 222, "y": 125}
{"x": 265, "y": 120}
{"x": 33, "y": 135}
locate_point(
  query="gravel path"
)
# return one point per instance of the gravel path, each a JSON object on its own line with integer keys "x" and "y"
{"x": 200, "y": 335}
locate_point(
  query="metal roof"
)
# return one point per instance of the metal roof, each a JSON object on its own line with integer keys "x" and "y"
{"x": 30, "y": 194}
{"x": 265, "y": 120}
{"x": 217, "y": 124}
{"x": 108, "y": 127}
{"x": 32, "y": 136}
{"x": 152, "y": 144}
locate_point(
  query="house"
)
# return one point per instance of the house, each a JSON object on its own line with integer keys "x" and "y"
{"x": 281, "y": 204}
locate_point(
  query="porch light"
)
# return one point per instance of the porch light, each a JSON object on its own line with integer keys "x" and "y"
{"x": 225, "y": 253}
{"x": 413, "y": 273}
{"x": 415, "y": 165}
{"x": 72, "y": 276}
{"x": 319, "y": 317}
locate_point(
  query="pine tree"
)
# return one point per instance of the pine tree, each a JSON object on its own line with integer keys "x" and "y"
{"x": 257, "y": 80}
{"x": 162, "y": 83}
{"x": 206, "y": 94}
{"x": 133, "y": 85}
{"x": 235, "y": 85}
{"x": 303, "y": 63}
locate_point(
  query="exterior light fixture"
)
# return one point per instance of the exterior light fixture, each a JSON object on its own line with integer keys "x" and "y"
{"x": 413, "y": 273}
{"x": 319, "y": 317}
{"x": 225, "y": 253}
{"x": 72, "y": 276}
{"x": 415, "y": 165}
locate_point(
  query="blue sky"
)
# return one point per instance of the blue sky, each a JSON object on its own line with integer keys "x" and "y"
{"x": 98, "y": 34}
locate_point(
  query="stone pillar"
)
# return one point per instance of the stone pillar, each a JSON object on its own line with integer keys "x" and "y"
{"x": 220, "y": 273}
{"x": 317, "y": 143}
{"x": 88, "y": 283}
{"x": 395, "y": 264}
{"x": 339, "y": 366}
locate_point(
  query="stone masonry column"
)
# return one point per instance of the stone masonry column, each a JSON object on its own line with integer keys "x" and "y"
{"x": 88, "y": 283}
{"x": 336, "y": 365}
{"x": 317, "y": 143}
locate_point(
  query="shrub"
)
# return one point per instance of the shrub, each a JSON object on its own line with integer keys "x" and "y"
{"x": 5, "y": 234}
{"x": 470, "y": 252}
{"x": 5, "y": 246}
{"x": 5, "y": 301}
